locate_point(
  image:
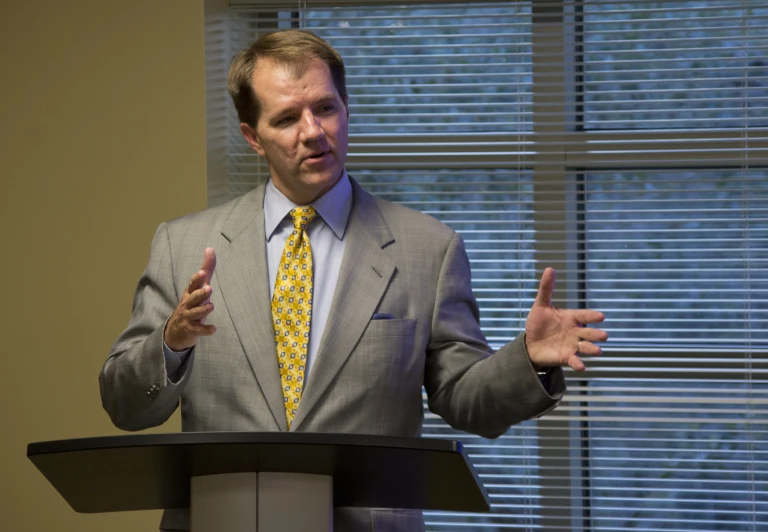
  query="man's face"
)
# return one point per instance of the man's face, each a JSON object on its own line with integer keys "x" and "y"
{"x": 302, "y": 128}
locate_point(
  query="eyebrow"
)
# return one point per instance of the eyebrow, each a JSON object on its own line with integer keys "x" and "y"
{"x": 290, "y": 110}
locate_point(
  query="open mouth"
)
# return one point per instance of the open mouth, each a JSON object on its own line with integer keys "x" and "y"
{"x": 316, "y": 156}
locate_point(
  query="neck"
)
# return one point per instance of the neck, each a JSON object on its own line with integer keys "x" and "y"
{"x": 305, "y": 196}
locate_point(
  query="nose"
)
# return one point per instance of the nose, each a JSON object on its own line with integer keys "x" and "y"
{"x": 311, "y": 127}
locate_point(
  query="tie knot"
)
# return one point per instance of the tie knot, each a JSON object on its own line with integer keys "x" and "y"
{"x": 302, "y": 216}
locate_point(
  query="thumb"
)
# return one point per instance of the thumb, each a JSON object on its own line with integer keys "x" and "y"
{"x": 209, "y": 263}
{"x": 546, "y": 288}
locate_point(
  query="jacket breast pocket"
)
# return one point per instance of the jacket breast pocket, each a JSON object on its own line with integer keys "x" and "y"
{"x": 390, "y": 328}
{"x": 385, "y": 354}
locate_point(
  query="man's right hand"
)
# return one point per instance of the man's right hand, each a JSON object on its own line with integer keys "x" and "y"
{"x": 186, "y": 325}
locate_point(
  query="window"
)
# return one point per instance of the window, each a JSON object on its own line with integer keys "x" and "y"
{"x": 626, "y": 145}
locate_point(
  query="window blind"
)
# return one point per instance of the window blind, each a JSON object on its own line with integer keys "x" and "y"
{"x": 625, "y": 144}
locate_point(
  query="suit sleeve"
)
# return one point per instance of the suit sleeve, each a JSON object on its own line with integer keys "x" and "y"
{"x": 134, "y": 385}
{"x": 470, "y": 387}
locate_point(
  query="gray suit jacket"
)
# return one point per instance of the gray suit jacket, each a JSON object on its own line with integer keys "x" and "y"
{"x": 368, "y": 374}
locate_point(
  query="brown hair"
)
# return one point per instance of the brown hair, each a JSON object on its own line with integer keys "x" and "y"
{"x": 294, "y": 48}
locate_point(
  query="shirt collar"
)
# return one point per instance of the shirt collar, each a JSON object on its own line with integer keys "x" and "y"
{"x": 334, "y": 207}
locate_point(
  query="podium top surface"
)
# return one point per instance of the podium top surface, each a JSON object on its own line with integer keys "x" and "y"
{"x": 153, "y": 471}
{"x": 203, "y": 438}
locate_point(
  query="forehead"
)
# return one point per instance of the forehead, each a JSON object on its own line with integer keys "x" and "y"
{"x": 279, "y": 85}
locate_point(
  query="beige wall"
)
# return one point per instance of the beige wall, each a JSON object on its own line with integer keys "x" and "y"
{"x": 102, "y": 136}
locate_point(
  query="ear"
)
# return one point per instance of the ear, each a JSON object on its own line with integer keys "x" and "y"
{"x": 346, "y": 105}
{"x": 252, "y": 138}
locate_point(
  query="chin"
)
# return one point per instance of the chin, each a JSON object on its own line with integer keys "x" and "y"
{"x": 326, "y": 178}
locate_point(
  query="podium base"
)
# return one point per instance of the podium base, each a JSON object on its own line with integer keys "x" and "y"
{"x": 261, "y": 502}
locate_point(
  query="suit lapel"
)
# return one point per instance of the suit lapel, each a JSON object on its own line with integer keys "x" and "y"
{"x": 365, "y": 274}
{"x": 242, "y": 274}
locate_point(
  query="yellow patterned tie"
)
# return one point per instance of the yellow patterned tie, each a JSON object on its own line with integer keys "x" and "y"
{"x": 292, "y": 309}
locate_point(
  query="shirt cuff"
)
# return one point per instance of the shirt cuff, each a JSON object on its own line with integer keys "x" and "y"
{"x": 174, "y": 360}
{"x": 544, "y": 377}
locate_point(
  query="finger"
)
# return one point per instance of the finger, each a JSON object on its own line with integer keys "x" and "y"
{"x": 209, "y": 263}
{"x": 181, "y": 332}
{"x": 592, "y": 335}
{"x": 588, "y": 349}
{"x": 207, "y": 330}
{"x": 196, "y": 281}
{"x": 199, "y": 329}
{"x": 576, "y": 364}
{"x": 197, "y": 314}
{"x": 586, "y": 316}
{"x": 197, "y": 298}
{"x": 546, "y": 288}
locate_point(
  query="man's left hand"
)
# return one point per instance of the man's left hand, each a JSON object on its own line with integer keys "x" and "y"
{"x": 557, "y": 337}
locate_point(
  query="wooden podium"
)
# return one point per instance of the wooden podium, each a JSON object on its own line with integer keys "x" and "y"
{"x": 238, "y": 481}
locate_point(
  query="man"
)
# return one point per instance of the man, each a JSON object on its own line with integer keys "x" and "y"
{"x": 332, "y": 307}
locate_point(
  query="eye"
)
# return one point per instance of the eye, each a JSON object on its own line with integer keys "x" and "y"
{"x": 284, "y": 121}
{"x": 327, "y": 108}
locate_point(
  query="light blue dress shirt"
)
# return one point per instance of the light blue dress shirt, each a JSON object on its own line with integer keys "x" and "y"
{"x": 327, "y": 238}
